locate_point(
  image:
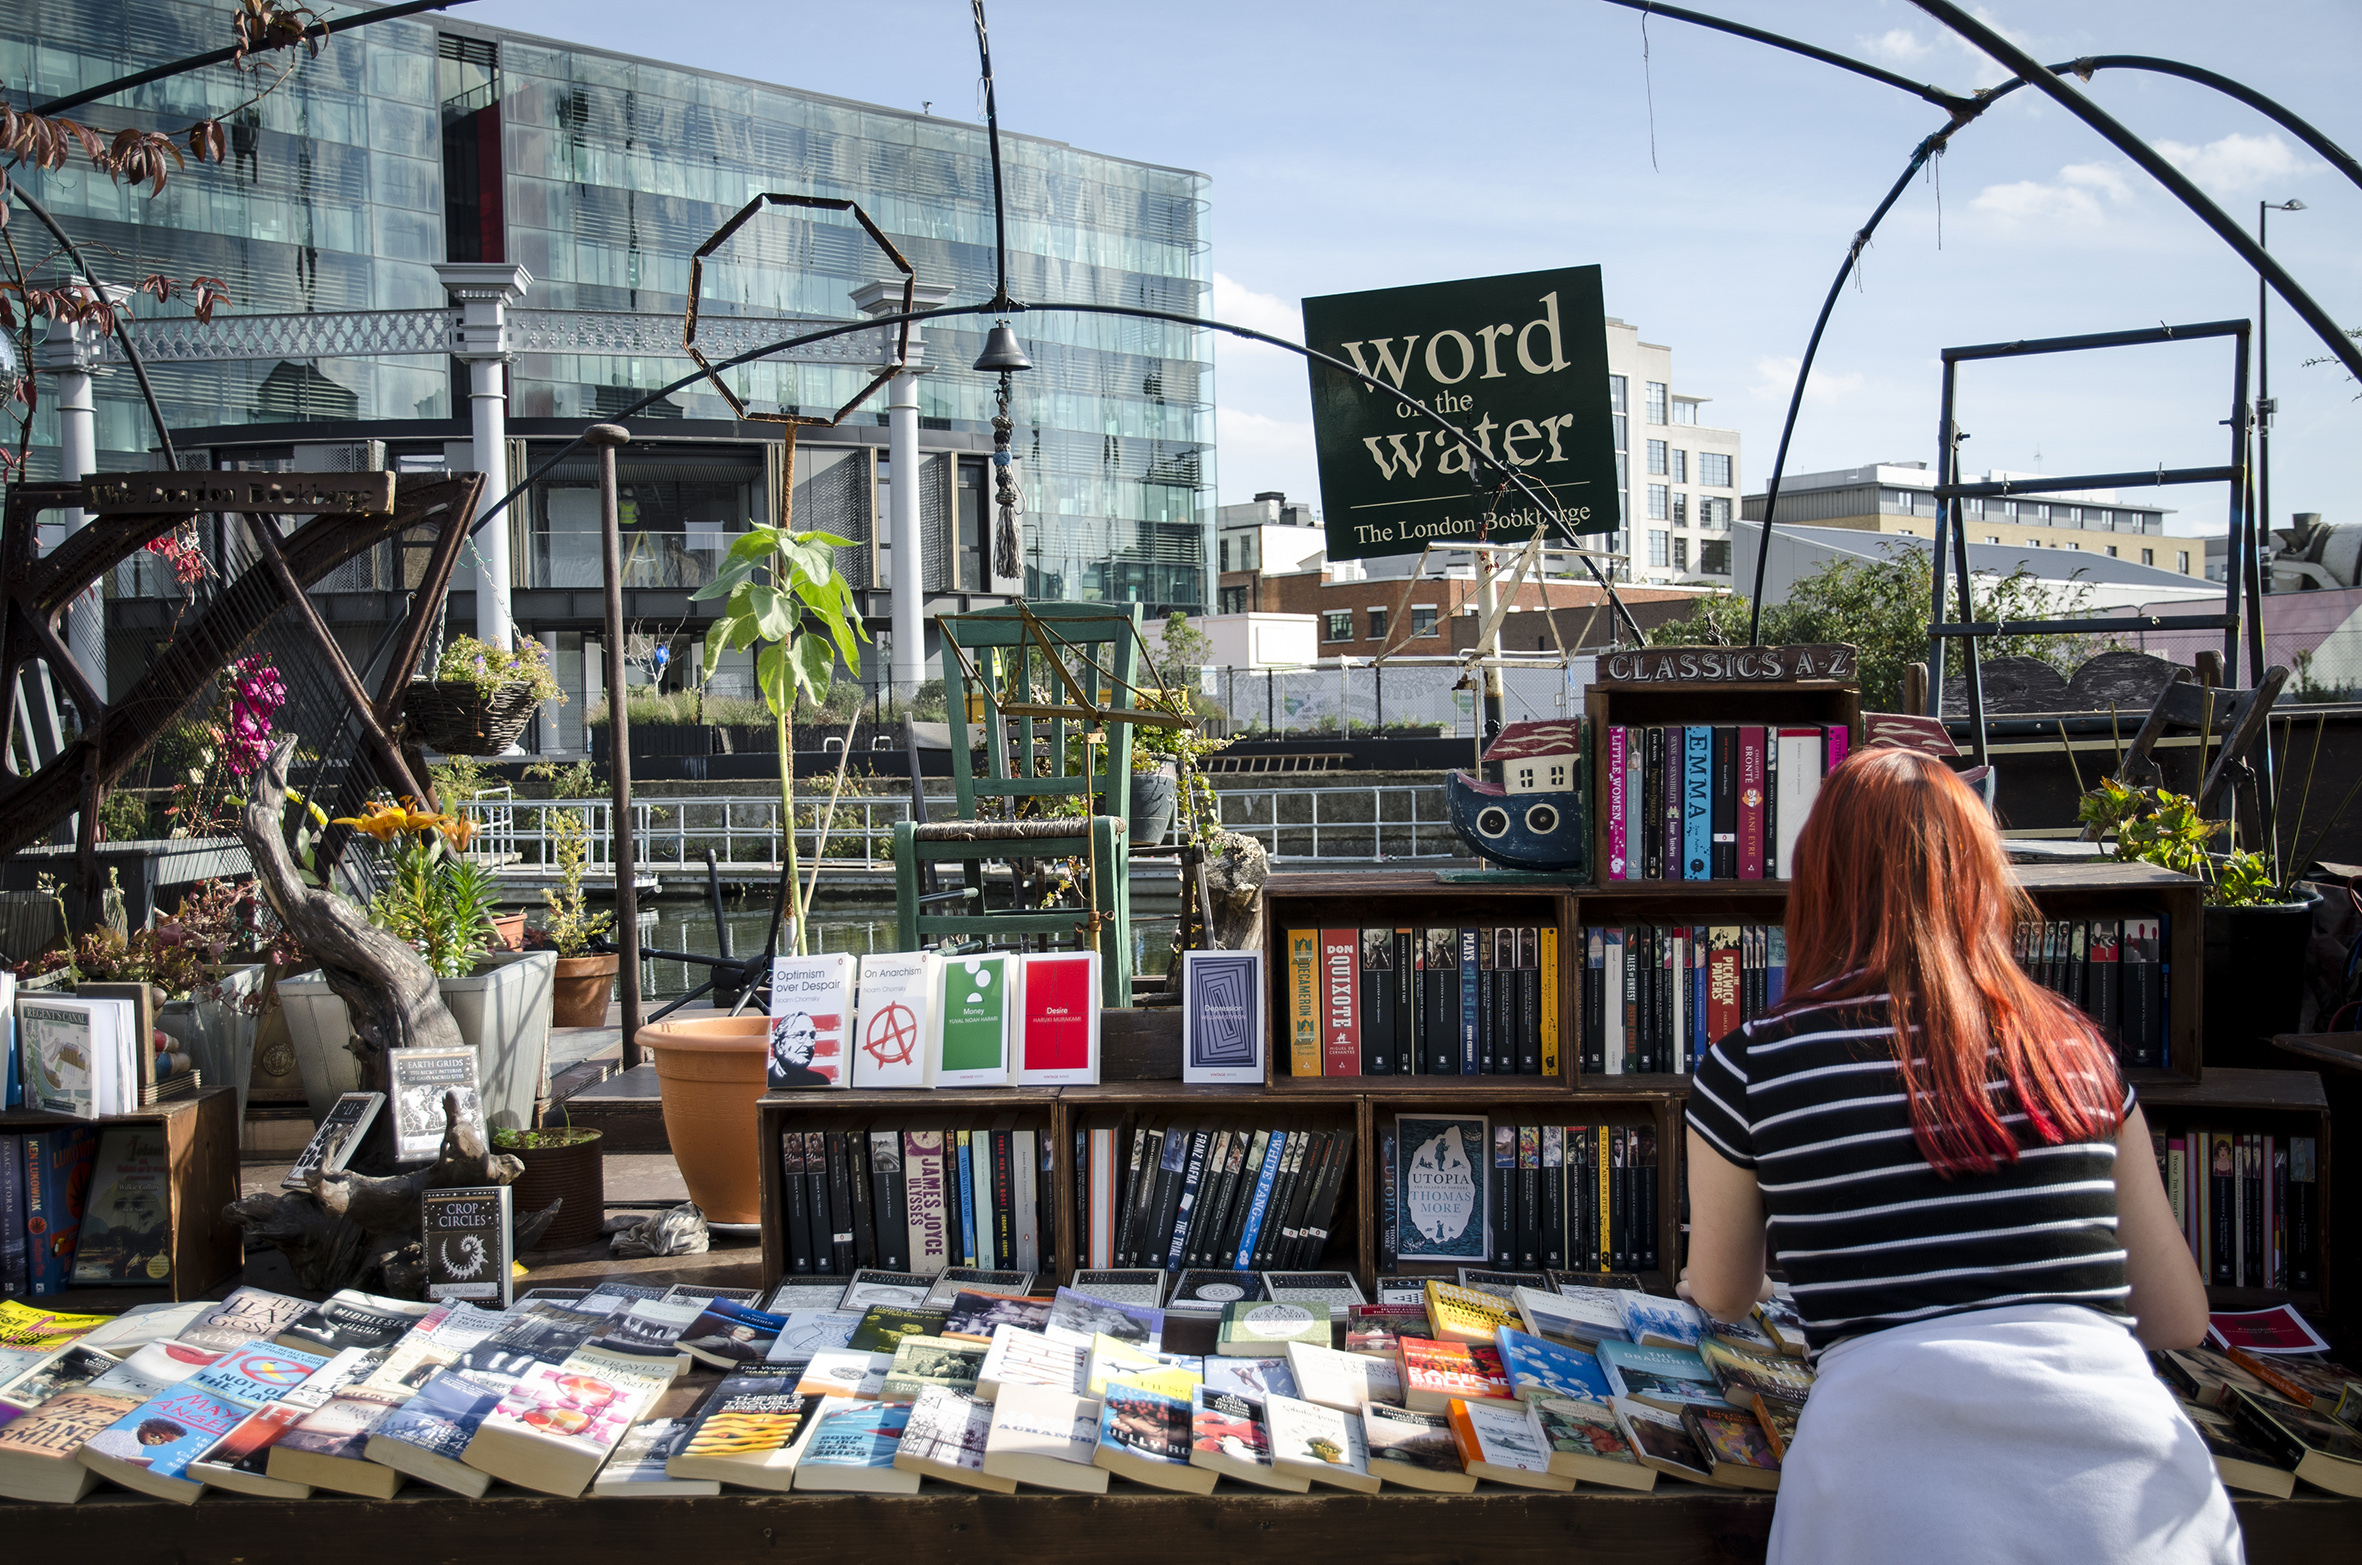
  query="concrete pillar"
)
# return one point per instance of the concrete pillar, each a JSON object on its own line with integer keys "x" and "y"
{"x": 907, "y": 666}
{"x": 484, "y": 290}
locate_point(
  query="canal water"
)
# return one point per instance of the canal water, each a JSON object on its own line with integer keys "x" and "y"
{"x": 839, "y": 923}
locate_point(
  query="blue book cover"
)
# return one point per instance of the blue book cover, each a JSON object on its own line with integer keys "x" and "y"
{"x": 1697, "y": 804}
{"x": 57, "y": 1180}
{"x": 1538, "y": 1368}
{"x": 1262, "y": 1203}
{"x": 1775, "y": 965}
{"x": 1441, "y": 1194}
{"x": 1667, "y": 1378}
{"x": 166, "y": 1433}
{"x": 1470, "y": 1000}
{"x": 967, "y": 1203}
{"x": 444, "y": 1416}
{"x": 1700, "y": 965}
{"x": 865, "y": 1434}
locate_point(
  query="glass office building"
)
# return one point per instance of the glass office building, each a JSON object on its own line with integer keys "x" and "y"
{"x": 434, "y": 139}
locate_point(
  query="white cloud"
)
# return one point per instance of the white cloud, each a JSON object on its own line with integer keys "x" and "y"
{"x": 2079, "y": 196}
{"x": 1257, "y": 452}
{"x": 1897, "y": 46}
{"x": 1775, "y": 380}
{"x": 1240, "y": 305}
{"x": 2237, "y": 164}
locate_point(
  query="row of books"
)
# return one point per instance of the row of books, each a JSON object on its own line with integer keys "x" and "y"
{"x": 91, "y": 1053}
{"x": 1423, "y": 1002}
{"x": 2270, "y": 1417}
{"x": 1464, "y": 1188}
{"x": 1170, "y": 1193}
{"x": 2118, "y": 970}
{"x": 965, "y": 1192}
{"x": 1712, "y": 803}
{"x": 2249, "y": 1204}
{"x": 1657, "y": 996}
{"x": 81, "y": 1207}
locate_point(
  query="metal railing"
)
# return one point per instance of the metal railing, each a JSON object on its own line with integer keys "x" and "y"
{"x": 1337, "y": 825}
{"x": 1366, "y": 825}
{"x": 675, "y": 832}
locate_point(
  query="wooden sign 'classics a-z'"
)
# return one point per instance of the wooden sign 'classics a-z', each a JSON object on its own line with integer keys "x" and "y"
{"x": 259, "y": 494}
{"x": 1729, "y": 665}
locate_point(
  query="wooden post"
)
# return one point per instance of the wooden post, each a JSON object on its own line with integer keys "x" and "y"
{"x": 1915, "y": 688}
{"x": 2209, "y": 664}
{"x": 606, "y": 437}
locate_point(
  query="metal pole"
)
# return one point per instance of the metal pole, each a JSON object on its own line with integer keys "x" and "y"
{"x": 1946, "y": 453}
{"x": 606, "y": 437}
{"x": 909, "y": 658}
{"x": 2263, "y": 389}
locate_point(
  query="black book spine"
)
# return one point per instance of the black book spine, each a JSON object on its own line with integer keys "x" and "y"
{"x": 2251, "y": 1209}
{"x": 865, "y": 1235}
{"x": 1725, "y": 862}
{"x": 1193, "y": 1233}
{"x": 1147, "y": 1247}
{"x": 1126, "y": 1193}
{"x": 1652, "y": 994}
{"x": 825, "y": 1192}
{"x": 1185, "y": 1199}
{"x": 1501, "y": 1207}
{"x": 1306, "y": 1177}
{"x": 1619, "y": 1215}
{"x": 1004, "y": 1200}
{"x": 1377, "y": 1002}
{"x": 1045, "y": 1203}
{"x": 1595, "y": 1000}
{"x": 1324, "y": 1208}
{"x": 1242, "y": 1204}
{"x": 892, "y": 1213}
{"x": 1172, "y": 1177}
{"x": 1529, "y": 1197}
{"x": 955, "y": 1232}
{"x": 2304, "y": 1212}
{"x": 1484, "y": 1001}
{"x": 1238, "y": 1188}
{"x": 1646, "y": 1182}
{"x": 1443, "y": 995}
{"x": 1422, "y": 1007}
{"x": 1652, "y": 799}
{"x": 1406, "y": 1011}
{"x": 1553, "y": 1186}
{"x": 793, "y": 1198}
{"x": 2222, "y": 1207}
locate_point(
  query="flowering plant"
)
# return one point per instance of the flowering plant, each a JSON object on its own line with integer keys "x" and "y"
{"x": 490, "y": 669}
{"x": 257, "y": 692}
{"x": 437, "y": 902}
{"x": 184, "y": 554}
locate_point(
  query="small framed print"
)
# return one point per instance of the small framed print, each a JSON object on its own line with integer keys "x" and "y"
{"x": 1223, "y": 1030}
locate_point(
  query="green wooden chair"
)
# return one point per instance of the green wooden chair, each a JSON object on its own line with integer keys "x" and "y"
{"x": 1026, "y": 759}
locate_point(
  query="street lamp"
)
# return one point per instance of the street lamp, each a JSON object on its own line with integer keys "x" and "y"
{"x": 2264, "y": 406}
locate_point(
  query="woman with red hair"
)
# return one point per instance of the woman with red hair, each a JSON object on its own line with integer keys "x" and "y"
{"x": 1958, "y": 1184}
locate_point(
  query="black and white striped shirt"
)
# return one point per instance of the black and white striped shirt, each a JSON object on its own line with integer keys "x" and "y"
{"x": 1868, "y": 1233}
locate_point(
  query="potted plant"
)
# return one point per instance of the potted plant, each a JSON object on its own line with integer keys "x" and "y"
{"x": 562, "y": 1163}
{"x": 480, "y": 698}
{"x": 439, "y": 904}
{"x": 585, "y": 978}
{"x": 2256, "y": 929}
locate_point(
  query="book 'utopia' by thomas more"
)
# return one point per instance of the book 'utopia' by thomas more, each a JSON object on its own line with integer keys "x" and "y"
{"x": 1441, "y": 1197}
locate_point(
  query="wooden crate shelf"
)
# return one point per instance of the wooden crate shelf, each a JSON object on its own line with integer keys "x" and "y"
{"x": 201, "y": 1150}
{"x": 2277, "y": 1102}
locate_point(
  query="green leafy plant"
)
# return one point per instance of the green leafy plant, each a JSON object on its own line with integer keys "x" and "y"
{"x": 104, "y": 956}
{"x": 123, "y": 815}
{"x": 803, "y": 620}
{"x": 571, "y": 926}
{"x": 437, "y": 902}
{"x": 576, "y": 781}
{"x": 492, "y": 669}
{"x": 2160, "y": 827}
{"x": 1881, "y": 607}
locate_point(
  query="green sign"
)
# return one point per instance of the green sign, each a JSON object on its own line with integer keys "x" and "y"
{"x": 1519, "y": 363}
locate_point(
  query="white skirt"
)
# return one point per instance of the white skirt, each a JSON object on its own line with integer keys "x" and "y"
{"x": 1999, "y": 1437}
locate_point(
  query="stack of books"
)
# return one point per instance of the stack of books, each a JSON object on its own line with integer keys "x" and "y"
{"x": 1712, "y": 803}
{"x": 1423, "y": 1002}
{"x": 1179, "y": 1192}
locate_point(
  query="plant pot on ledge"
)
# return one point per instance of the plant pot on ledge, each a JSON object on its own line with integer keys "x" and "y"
{"x": 580, "y": 993}
{"x": 2254, "y": 980}
{"x": 564, "y": 1163}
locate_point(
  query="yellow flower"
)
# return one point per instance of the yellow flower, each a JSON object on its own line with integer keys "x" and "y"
{"x": 381, "y": 821}
{"x": 458, "y": 831}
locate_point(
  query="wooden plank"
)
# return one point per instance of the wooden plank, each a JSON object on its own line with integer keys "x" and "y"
{"x": 2224, "y": 1087}
{"x": 1140, "y": 1045}
{"x": 942, "y": 1525}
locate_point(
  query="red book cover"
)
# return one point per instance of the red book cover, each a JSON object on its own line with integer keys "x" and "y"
{"x": 1340, "y": 1012}
{"x": 1751, "y": 767}
{"x": 1058, "y": 1003}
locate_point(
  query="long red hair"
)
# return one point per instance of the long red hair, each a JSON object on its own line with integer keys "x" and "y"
{"x": 1901, "y": 887}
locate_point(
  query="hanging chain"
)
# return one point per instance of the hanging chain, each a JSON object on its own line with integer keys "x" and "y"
{"x": 1005, "y": 562}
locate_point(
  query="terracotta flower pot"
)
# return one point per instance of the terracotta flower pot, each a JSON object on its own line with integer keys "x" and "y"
{"x": 574, "y": 1172}
{"x": 508, "y": 932}
{"x": 579, "y": 996}
{"x": 709, "y": 1074}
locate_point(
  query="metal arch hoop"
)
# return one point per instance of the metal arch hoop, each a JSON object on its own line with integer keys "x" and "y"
{"x": 721, "y": 235}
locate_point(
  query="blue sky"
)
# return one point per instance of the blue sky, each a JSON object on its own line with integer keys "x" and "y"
{"x": 1717, "y": 183}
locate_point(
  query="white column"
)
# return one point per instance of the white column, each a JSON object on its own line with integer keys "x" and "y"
{"x": 484, "y": 290}
{"x": 907, "y": 668}
{"x": 71, "y": 353}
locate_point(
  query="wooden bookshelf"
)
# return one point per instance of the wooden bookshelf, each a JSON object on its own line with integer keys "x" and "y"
{"x": 2274, "y": 1102}
{"x": 201, "y": 1143}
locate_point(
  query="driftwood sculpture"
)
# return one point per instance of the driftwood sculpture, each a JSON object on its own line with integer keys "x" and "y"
{"x": 363, "y": 1231}
{"x": 387, "y": 987}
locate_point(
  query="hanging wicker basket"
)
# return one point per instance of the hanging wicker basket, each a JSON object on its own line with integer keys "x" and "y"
{"x": 456, "y": 718}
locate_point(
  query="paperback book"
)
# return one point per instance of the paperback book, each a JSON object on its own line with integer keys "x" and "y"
{"x": 425, "y": 1084}
{"x": 636, "y": 1470}
{"x": 1230, "y": 1436}
{"x": 1414, "y": 1450}
{"x": 923, "y": 1362}
{"x": 1349, "y": 1382}
{"x": 1020, "y": 1357}
{"x": 811, "y": 1000}
{"x": 126, "y": 1235}
{"x": 1077, "y": 1317}
{"x": 1045, "y": 1438}
{"x": 1145, "y": 1435}
{"x": 1588, "y": 1444}
{"x": 470, "y": 1244}
{"x": 1504, "y": 1446}
{"x": 745, "y": 1431}
{"x": 553, "y": 1431}
{"x": 1538, "y": 1369}
{"x": 945, "y": 1439}
{"x": 337, "y": 1139}
{"x": 1436, "y": 1374}
{"x": 1440, "y": 1190}
{"x": 1256, "y": 1378}
{"x": 852, "y": 1449}
{"x": 896, "y": 990}
{"x": 975, "y": 1315}
{"x": 1321, "y": 1444}
{"x": 727, "y": 1334}
{"x": 1668, "y": 1379}
{"x": 1259, "y": 1330}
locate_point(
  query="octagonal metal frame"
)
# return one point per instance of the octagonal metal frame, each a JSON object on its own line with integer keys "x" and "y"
{"x": 819, "y": 203}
